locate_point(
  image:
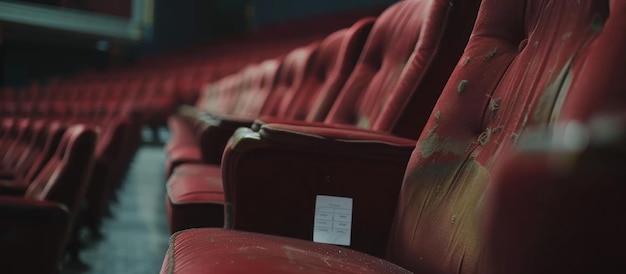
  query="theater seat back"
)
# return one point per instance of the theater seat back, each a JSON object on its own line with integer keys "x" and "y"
{"x": 402, "y": 48}
{"x": 64, "y": 177}
{"x": 34, "y": 148}
{"x": 336, "y": 57}
{"x": 289, "y": 79}
{"x": 246, "y": 91}
{"x": 222, "y": 95}
{"x": 522, "y": 59}
{"x": 54, "y": 134}
{"x": 313, "y": 76}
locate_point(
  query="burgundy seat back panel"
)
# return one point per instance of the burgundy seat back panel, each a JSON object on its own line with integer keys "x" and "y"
{"x": 516, "y": 61}
{"x": 386, "y": 52}
{"x": 549, "y": 213}
{"x": 337, "y": 55}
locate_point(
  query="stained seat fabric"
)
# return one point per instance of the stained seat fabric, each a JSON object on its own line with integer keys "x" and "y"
{"x": 515, "y": 71}
{"x": 263, "y": 254}
{"x": 528, "y": 63}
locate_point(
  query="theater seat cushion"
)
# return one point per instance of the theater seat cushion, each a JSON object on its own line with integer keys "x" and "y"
{"x": 196, "y": 182}
{"x": 195, "y": 197}
{"x": 218, "y": 250}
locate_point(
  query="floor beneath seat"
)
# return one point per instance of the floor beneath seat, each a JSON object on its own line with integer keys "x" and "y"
{"x": 136, "y": 236}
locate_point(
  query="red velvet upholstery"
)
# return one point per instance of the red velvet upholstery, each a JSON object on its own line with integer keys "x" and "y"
{"x": 323, "y": 79}
{"x": 290, "y": 79}
{"x": 527, "y": 63}
{"x": 516, "y": 71}
{"x": 181, "y": 133}
{"x": 263, "y": 254}
{"x": 191, "y": 183}
{"x": 400, "y": 49}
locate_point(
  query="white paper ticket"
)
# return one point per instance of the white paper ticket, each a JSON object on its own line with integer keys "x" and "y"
{"x": 333, "y": 220}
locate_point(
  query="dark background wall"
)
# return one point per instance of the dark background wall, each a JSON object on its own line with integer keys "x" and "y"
{"x": 277, "y": 11}
{"x": 27, "y": 55}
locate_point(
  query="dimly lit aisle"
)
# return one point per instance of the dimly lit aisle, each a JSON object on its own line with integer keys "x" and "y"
{"x": 136, "y": 236}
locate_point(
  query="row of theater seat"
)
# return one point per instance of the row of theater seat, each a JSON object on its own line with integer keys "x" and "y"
{"x": 66, "y": 144}
{"x": 471, "y": 137}
{"x": 175, "y": 78}
{"x": 372, "y": 85}
{"x": 46, "y": 169}
{"x": 33, "y": 121}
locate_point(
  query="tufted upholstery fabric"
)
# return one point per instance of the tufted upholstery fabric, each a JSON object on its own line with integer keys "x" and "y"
{"x": 400, "y": 50}
{"x": 516, "y": 71}
{"x": 334, "y": 62}
{"x": 256, "y": 87}
{"x": 290, "y": 78}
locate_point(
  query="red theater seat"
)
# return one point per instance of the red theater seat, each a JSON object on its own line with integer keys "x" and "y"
{"x": 37, "y": 225}
{"x": 395, "y": 66}
{"x": 221, "y": 101}
{"x": 527, "y": 64}
{"x": 45, "y": 146}
{"x": 21, "y": 148}
{"x": 18, "y": 160}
